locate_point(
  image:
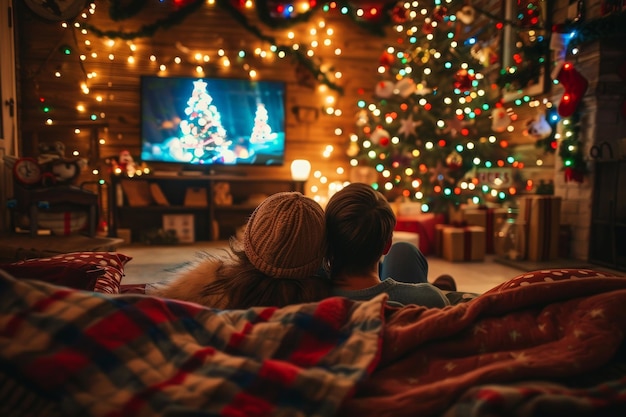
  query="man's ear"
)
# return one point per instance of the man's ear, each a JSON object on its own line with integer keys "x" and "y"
{"x": 388, "y": 246}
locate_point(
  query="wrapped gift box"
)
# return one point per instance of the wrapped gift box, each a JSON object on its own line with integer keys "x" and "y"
{"x": 422, "y": 224}
{"x": 63, "y": 223}
{"x": 542, "y": 216}
{"x": 489, "y": 218}
{"x": 463, "y": 243}
{"x": 438, "y": 249}
{"x": 182, "y": 224}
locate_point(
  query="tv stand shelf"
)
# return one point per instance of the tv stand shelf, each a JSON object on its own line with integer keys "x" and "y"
{"x": 139, "y": 203}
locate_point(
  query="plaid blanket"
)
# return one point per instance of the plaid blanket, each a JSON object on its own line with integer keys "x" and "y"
{"x": 76, "y": 353}
{"x": 548, "y": 349}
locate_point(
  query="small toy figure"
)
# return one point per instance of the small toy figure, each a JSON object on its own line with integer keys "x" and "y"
{"x": 222, "y": 195}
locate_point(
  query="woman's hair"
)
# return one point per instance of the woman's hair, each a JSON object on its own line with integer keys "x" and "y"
{"x": 359, "y": 224}
{"x": 239, "y": 285}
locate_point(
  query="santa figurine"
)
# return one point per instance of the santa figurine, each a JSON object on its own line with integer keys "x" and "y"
{"x": 126, "y": 163}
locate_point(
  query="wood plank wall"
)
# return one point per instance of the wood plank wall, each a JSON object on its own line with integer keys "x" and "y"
{"x": 46, "y": 72}
{"x": 206, "y": 31}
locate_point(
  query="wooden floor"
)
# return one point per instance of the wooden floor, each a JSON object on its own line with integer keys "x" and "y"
{"x": 156, "y": 263}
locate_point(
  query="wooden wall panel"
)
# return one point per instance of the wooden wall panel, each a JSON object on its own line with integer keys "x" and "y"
{"x": 206, "y": 31}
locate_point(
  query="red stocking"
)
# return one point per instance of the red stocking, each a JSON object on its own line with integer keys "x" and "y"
{"x": 575, "y": 86}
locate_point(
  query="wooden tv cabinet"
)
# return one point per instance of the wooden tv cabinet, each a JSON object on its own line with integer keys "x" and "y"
{"x": 134, "y": 205}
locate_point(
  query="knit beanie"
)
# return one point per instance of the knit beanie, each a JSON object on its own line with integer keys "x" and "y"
{"x": 285, "y": 236}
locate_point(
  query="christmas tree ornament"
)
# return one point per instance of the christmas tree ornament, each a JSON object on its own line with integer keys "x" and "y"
{"x": 408, "y": 126}
{"x": 378, "y": 134}
{"x": 538, "y": 127}
{"x": 384, "y": 89}
{"x": 500, "y": 120}
{"x": 353, "y": 150}
{"x": 386, "y": 59}
{"x": 405, "y": 87}
{"x": 440, "y": 13}
{"x": 575, "y": 86}
{"x": 421, "y": 89}
{"x": 453, "y": 126}
{"x": 463, "y": 80}
{"x": 439, "y": 174}
{"x": 454, "y": 160}
{"x": 485, "y": 53}
{"x": 428, "y": 28}
{"x": 399, "y": 14}
{"x": 361, "y": 118}
{"x": 466, "y": 14}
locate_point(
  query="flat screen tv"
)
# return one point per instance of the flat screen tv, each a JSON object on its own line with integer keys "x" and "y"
{"x": 204, "y": 122}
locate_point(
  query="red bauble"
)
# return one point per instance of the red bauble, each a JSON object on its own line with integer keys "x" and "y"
{"x": 440, "y": 13}
{"x": 384, "y": 141}
{"x": 386, "y": 59}
{"x": 428, "y": 28}
{"x": 454, "y": 161}
{"x": 399, "y": 14}
{"x": 463, "y": 80}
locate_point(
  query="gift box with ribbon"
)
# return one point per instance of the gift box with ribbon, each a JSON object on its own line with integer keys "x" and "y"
{"x": 489, "y": 218}
{"x": 461, "y": 244}
{"x": 424, "y": 225}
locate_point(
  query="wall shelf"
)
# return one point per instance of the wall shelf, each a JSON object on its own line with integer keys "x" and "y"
{"x": 211, "y": 221}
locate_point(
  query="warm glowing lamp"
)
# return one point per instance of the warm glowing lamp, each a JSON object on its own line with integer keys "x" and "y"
{"x": 300, "y": 169}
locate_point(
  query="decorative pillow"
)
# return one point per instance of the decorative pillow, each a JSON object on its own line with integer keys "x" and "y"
{"x": 72, "y": 275}
{"x": 67, "y": 269}
{"x": 547, "y": 275}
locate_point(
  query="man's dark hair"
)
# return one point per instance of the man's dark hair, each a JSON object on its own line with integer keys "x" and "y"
{"x": 359, "y": 224}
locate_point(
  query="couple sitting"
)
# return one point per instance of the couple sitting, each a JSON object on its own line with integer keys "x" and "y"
{"x": 287, "y": 240}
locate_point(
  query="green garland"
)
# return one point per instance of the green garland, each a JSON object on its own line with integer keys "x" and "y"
{"x": 121, "y": 10}
{"x": 145, "y": 31}
{"x": 571, "y": 149}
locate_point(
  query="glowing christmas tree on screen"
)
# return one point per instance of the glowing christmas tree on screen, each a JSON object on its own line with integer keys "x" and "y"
{"x": 203, "y": 136}
{"x": 432, "y": 129}
{"x": 261, "y": 131}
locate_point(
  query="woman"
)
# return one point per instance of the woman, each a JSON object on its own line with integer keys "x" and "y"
{"x": 276, "y": 263}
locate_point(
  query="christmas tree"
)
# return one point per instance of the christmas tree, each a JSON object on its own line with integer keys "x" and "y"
{"x": 433, "y": 130}
{"x": 203, "y": 137}
{"x": 261, "y": 131}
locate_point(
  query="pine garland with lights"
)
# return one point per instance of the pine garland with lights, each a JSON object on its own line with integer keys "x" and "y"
{"x": 571, "y": 149}
{"x": 275, "y": 17}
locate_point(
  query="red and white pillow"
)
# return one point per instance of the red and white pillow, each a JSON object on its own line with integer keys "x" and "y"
{"x": 91, "y": 271}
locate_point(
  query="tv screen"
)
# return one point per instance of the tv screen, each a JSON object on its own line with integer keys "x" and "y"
{"x": 212, "y": 121}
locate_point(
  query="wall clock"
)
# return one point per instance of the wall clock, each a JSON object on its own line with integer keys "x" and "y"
{"x": 56, "y": 10}
{"x": 27, "y": 171}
